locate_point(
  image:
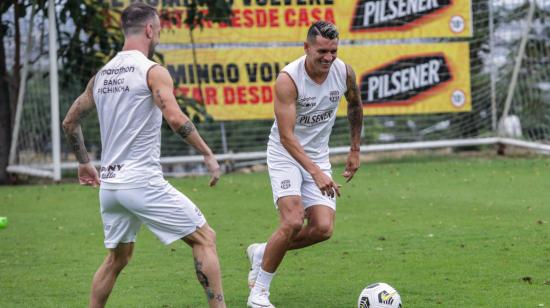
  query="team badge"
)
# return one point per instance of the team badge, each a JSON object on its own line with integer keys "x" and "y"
{"x": 285, "y": 184}
{"x": 334, "y": 96}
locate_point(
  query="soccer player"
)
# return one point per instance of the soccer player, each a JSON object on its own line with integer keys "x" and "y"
{"x": 307, "y": 93}
{"x": 131, "y": 94}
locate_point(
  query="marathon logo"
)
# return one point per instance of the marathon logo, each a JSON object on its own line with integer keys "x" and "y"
{"x": 378, "y": 14}
{"x": 315, "y": 118}
{"x": 117, "y": 70}
{"x": 404, "y": 79}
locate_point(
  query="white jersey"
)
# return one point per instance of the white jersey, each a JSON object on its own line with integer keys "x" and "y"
{"x": 129, "y": 122}
{"x": 316, "y": 107}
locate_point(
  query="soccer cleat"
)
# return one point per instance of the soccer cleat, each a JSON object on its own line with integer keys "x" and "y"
{"x": 255, "y": 253}
{"x": 259, "y": 299}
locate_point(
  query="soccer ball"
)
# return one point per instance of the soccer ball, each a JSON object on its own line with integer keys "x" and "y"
{"x": 379, "y": 295}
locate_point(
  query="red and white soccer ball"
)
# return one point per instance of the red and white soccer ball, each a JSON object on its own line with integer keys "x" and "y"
{"x": 379, "y": 295}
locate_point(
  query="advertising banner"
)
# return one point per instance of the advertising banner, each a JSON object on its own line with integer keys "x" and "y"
{"x": 415, "y": 78}
{"x": 237, "y": 83}
{"x": 289, "y": 20}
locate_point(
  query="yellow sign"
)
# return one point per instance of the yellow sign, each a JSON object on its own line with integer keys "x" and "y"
{"x": 412, "y": 79}
{"x": 237, "y": 83}
{"x": 289, "y": 20}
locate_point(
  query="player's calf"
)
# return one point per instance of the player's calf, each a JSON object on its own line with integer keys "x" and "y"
{"x": 207, "y": 266}
{"x": 107, "y": 273}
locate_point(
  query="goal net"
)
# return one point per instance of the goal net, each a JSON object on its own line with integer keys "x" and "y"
{"x": 508, "y": 90}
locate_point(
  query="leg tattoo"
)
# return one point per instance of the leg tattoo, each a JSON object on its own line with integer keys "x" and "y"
{"x": 204, "y": 281}
{"x": 209, "y": 294}
{"x": 200, "y": 275}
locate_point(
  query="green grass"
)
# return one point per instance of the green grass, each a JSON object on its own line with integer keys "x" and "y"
{"x": 444, "y": 232}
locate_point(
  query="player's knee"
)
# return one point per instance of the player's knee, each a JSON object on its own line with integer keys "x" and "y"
{"x": 124, "y": 261}
{"x": 206, "y": 237}
{"x": 323, "y": 232}
{"x": 118, "y": 262}
{"x": 210, "y": 236}
{"x": 292, "y": 226}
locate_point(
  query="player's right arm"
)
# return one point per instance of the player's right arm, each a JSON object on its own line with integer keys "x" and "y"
{"x": 87, "y": 174}
{"x": 285, "y": 113}
{"x": 161, "y": 85}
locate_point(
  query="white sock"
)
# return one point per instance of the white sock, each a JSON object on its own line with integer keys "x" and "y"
{"x": 263, "y": 281}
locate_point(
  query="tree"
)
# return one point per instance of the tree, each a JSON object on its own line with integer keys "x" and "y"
{"x": 10, "y": 77}
{"x": 83, "y": 49}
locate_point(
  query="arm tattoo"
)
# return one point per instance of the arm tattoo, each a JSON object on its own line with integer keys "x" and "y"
{"x": 186, "y": 129}
{"x": 355, "y": 109}
{"x": 161, "y": 103}
{"x": 74, "y": 135}
{"x": 77, "y": 143}
{"x": 80, "y": 109}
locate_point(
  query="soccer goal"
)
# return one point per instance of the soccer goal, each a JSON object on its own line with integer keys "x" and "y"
{"x": 509, "y": 54}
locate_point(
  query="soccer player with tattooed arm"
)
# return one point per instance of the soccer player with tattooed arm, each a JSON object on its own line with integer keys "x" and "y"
{"x": 307, "y": 94}
{"x": 132, "y": 94}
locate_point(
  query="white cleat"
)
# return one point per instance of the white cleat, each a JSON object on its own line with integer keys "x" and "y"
{"x": 259, "y": 300}
{"x": 255, "y": 253}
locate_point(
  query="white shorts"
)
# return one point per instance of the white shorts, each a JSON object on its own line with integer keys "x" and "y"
{"x": 289, "y": 178}
{"x": 168, "y": 213}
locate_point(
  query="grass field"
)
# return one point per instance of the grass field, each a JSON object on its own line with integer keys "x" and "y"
{"x": 445, "y": 232}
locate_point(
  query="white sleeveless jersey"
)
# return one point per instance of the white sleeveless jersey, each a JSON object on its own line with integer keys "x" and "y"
{"x": 129, "y": 122}
{"x": 316, "y": 106}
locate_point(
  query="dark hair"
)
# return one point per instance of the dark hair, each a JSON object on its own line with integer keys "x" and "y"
{"x": 135, "y": 16}
{"x": 324, "y": 29}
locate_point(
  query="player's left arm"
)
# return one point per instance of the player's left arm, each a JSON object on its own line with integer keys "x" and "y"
{"x": 162, "y": 86}
{"x": 82, "y": 106}
{"x": 355, "y": 118}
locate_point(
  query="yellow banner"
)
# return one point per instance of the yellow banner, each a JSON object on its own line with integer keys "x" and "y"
{"x": 237, "y": 83}
{"x": 412, "y": 79}
{"x": 289, "y": 20}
